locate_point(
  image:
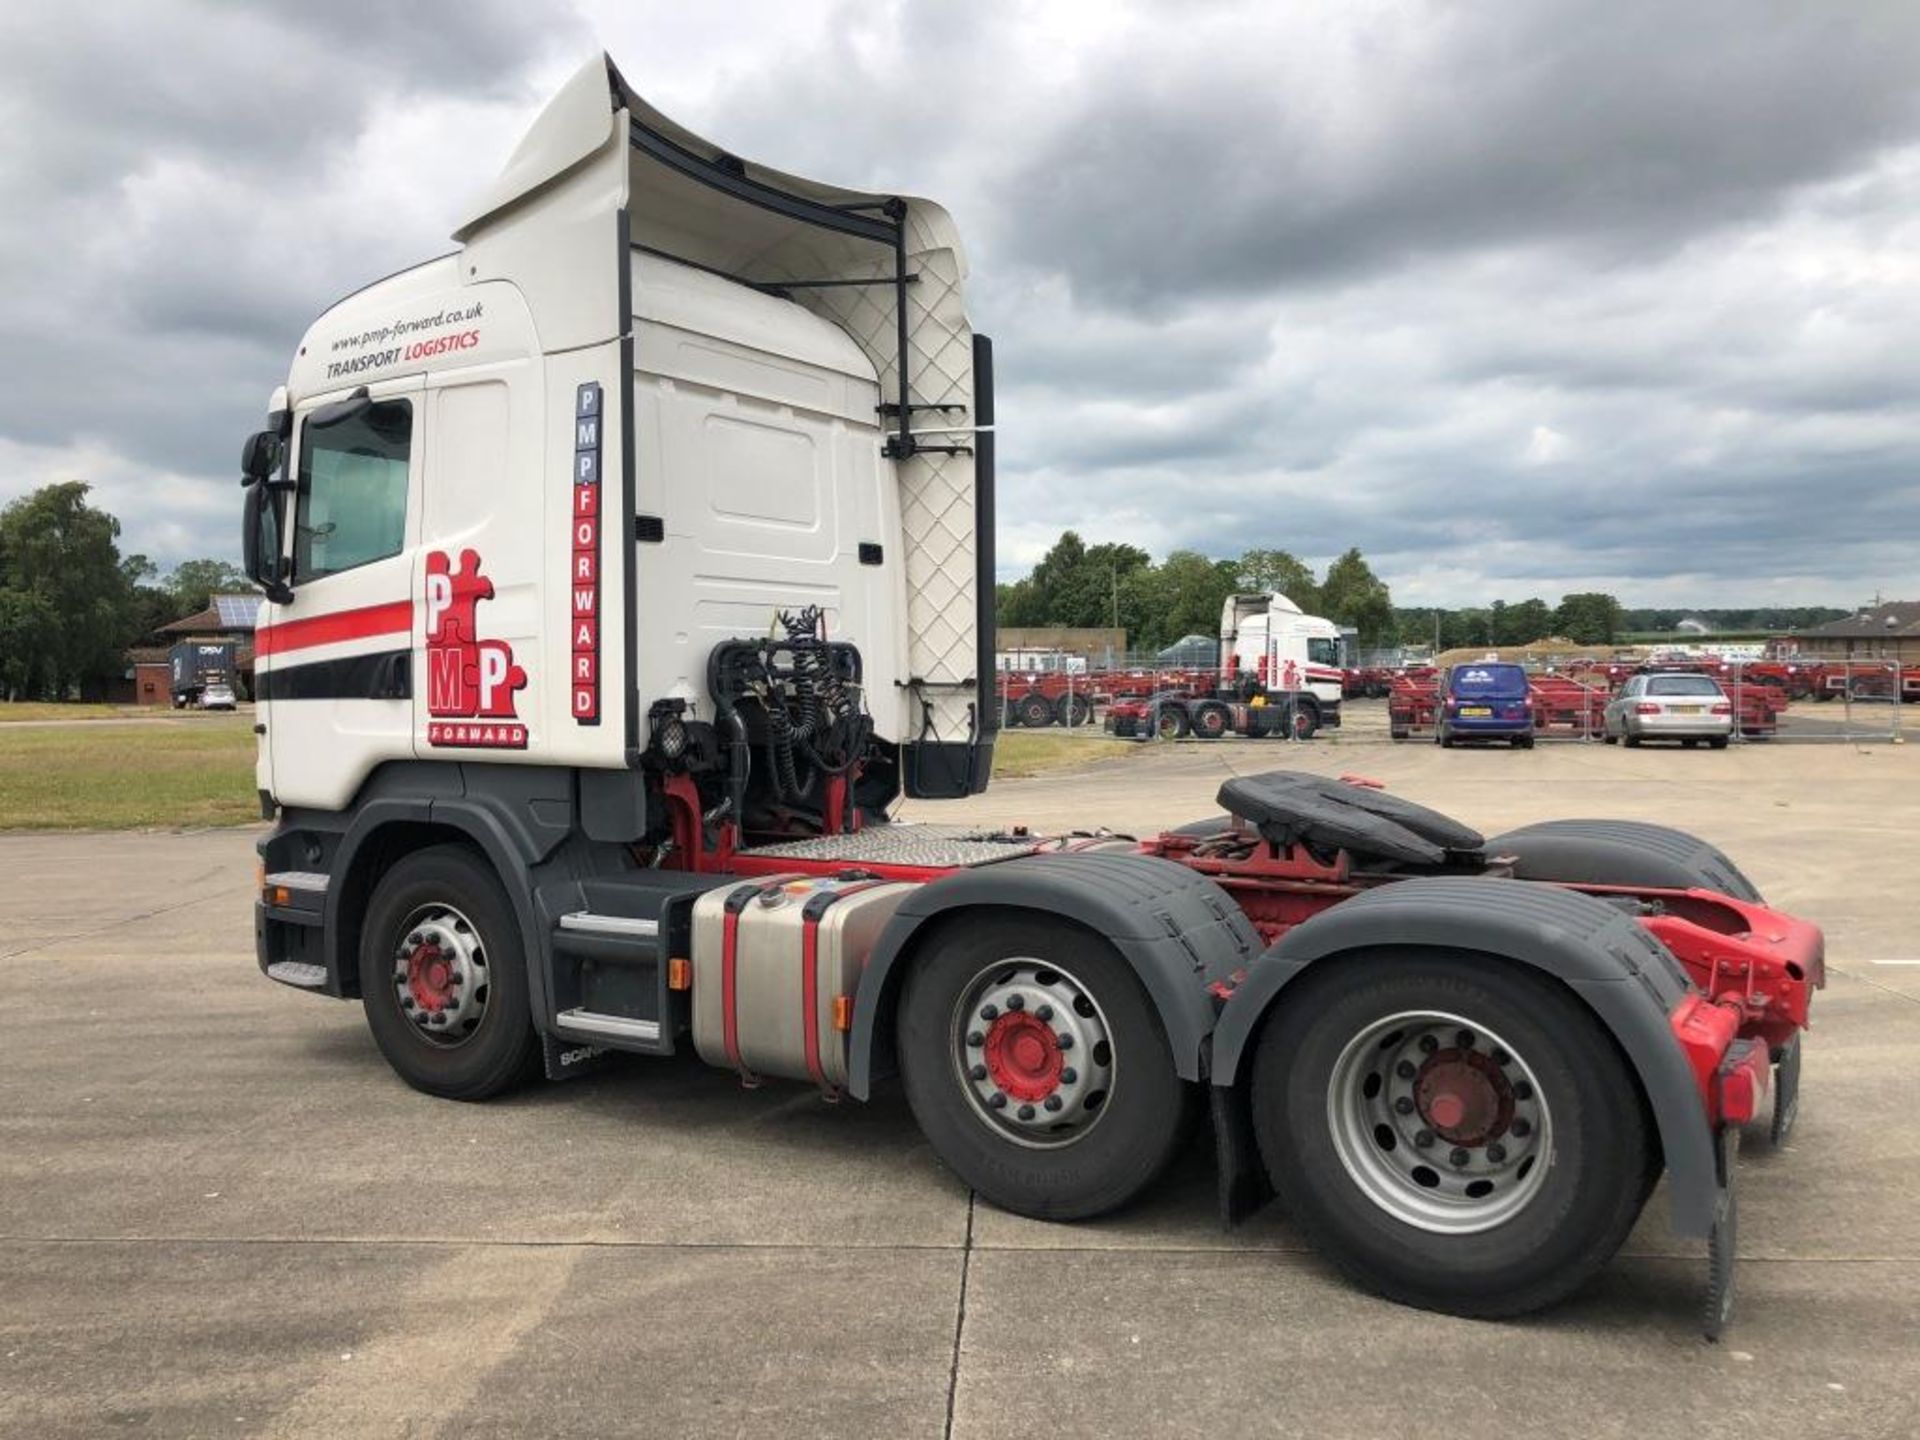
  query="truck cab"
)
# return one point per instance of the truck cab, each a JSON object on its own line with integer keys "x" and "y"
{"x": 1270, "y": 648}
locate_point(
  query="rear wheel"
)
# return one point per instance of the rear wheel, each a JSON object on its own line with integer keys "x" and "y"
{"x": 1718, "y": 743}
{"x": 1454, "y": 1133}
{"x": 1211, "y": 720}
{"x": 1038, "y": 1068}
{"x": 1171, "y": 724}
{"x": 1073, "y": 710}
{"x": 1035, "y": 710}
{"x": 443, "y": 976}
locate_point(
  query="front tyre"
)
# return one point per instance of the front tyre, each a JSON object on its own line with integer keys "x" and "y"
{"x": 1038, "y": 1069}
{"x": 1453, "y": 1133}
{"x": 443, "y": 976}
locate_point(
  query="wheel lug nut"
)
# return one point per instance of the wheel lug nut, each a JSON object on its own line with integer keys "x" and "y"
{"x": 1500, "y": 1057}
{"x": 415, "y": 938}
{"x": 1025, "y": 1112}
{"x": 1064, "y": 1040}
{"x": 1405, "y": 1070}
{"x": 978, "y": 1072}
{"x": 988, "y": 1012}
{"x": 1520, "y": 1127}
{"x": 1428, "y": 1044}
{"x": 996, "y": 1101}
{"x": 1404, "y": 1105}
{"x": 1464, "y": 1039}
{"x": 1053, "y": 1102}
{"x": 1016, "y": 1002}
{"x": 1423, "y": 1139}
{"x": 1496, "y": 1152}
{"x": 976, "y": 1039}
{"x": 1523, "y": 1091}
{"x": 1069, "y": 1076}
{"x": 1458, "y": 1157}
{"x": 1043, "y": 1014}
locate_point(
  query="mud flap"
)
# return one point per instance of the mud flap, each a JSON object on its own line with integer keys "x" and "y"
{"x": 1723, "y": 1240}
{"x": 1244, "y": 1186}
{"x": 1786, "y": 1090}
{"x": 570, "y": 1059}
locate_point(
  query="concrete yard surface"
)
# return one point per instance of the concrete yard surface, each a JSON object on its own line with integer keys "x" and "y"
{"x": 221, "y": 1214}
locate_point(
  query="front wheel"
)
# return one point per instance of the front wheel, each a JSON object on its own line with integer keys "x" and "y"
{"x": 1171, "y": 724}
{"x": 1038, "y": 1069}
{"x": 1454, "y": 1133}
{"x": 443, "y": 976}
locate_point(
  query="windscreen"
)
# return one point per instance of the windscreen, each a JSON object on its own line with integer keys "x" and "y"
{"x": 1491, "y": 682}
{"x": 1682, "y": 685}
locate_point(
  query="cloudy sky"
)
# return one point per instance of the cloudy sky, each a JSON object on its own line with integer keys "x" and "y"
{"x": 1519, "y": 297}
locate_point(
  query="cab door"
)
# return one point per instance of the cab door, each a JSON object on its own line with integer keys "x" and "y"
{"x": 335, "y": 662}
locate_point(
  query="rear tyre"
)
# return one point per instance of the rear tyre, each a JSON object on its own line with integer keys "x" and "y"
{"x": 443, "y": 977}
{"x": 984, "y": 1014}
{"x": 1523, "y": 742}
{"x": 1035, "y": 710}
{"x": 1211, "y": 720}
{"x": 1632, "y": 742}
{"x": 1171, "y": 724}
{"x": 1453, "y": 1133}
{"x": 1073, "y": 710}
{"x": 1717, "y": 743}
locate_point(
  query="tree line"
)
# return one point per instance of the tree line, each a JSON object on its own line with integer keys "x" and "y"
{"x": 1120, "y": 586}
{"x": 71, "y": 604}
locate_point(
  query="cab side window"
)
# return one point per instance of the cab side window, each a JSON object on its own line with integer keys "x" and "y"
{"x": 353, "y": 491}
{"x": 1323, "y": 652}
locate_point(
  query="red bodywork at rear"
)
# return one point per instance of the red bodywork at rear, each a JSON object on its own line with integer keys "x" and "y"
{"x": 1754, "y": 969}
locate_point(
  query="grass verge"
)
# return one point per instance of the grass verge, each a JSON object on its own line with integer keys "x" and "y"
{"x": 170, "y": 773}
{"x": 1019, "y": 753}
{"x": 67, "y": 710}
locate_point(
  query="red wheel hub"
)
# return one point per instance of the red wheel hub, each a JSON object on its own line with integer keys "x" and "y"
{"x": 1463, "y": 1096}
{"x": 430, "y": 977}
{"x": 1023, "y": 1056}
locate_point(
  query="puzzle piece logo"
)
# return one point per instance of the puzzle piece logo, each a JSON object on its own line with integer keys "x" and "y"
{"x": 467, "y": 678}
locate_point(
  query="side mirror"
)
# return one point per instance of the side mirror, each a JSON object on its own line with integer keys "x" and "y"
{"x": 259, "y": 457}
{"x": 260, "y": 542}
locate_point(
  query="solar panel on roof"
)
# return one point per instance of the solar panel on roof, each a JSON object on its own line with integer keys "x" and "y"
{"x": 236, "y": 611}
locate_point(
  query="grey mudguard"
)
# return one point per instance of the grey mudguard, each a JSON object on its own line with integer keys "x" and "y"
{"x": 1178, "y": 930}
{"x": 1626, "y": 976}
{"x": 1621, "y": 852}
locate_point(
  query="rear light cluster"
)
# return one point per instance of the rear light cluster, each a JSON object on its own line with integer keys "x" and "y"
{"x": 1646, "y": 708}
{"x": 1724, "y": 708}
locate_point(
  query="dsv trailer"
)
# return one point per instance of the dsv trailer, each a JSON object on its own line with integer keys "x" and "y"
{"x": 624, "y": 567}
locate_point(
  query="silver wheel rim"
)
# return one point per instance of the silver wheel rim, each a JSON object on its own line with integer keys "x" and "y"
{"x": 1439, "y": 1122}
{"x": 1033, "y": 1053}
{"x": 440, "y": 977}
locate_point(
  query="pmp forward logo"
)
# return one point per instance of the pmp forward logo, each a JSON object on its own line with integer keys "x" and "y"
{"x": 470, "y": 681}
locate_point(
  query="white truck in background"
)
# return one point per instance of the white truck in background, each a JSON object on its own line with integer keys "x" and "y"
{"x": 1269, "y": 645}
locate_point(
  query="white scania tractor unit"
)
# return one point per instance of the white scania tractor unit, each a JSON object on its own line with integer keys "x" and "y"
{"x": 625, "y": 566}
{"x": 1268, "y": 645}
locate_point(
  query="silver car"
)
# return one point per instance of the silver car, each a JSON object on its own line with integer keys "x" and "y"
{"x": 1685, "y": 707}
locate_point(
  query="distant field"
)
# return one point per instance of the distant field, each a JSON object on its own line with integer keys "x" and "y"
{"x": 167, "y": 774}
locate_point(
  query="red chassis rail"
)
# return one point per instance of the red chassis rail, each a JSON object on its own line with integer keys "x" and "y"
{"x": 1754, "y": 969}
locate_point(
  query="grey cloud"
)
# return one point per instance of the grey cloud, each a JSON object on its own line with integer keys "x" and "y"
{"x": 1227, "y": 161}
{"x": 1513, "y": 297}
